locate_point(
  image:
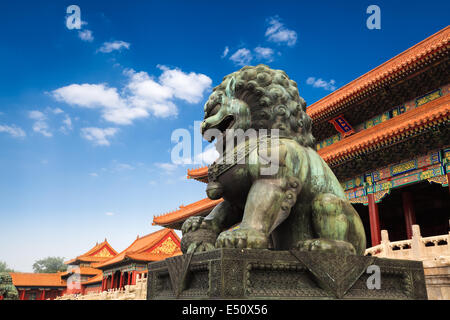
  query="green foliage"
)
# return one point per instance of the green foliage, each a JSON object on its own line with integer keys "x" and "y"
{"x": 4, "y": 267}
{"x": 49, "y": 265}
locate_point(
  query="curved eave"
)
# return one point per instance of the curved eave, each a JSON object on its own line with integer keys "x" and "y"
{"x": 203, "y": 206}
{"x": 400, "y": 65}
{"x": 399, "y": 127}
{"x": 199, "y": 174}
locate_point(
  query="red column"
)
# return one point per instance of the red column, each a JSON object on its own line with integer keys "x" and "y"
{"x": 448, "y": 180}
{"x": 121, "y": 280}
{"x": 22, "y": 295}
{"x": 374, "y": 220}
{"x": 42, "y": 295}
{"x": 130, "y": 274}
{"x": 134, "y": 278}
{"x": 408, "y": 211}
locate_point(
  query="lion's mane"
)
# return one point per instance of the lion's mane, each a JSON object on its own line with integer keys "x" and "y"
{"x": 273, "y": 99}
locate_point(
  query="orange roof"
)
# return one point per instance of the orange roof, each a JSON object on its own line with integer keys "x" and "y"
{"x": 401, "y": 63}
{"x": 145, "y": 245}
{"x": 435, "y": 111}
{"x": 82, "y": 271}
{"x": 151, "y": 256}
{"x": 100, "y": 252}
{"x": 186, "y": 211}
{"x": 200, "y": 174}
{"x": 96, "y": 279}
{"x": 37, "y": 279}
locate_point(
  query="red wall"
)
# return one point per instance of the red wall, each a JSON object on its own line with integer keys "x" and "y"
{"x": 96, "y": 288}
{"x": 49, "y": 294}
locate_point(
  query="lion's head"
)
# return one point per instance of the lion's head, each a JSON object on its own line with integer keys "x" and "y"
{"x": 258, "y": 98}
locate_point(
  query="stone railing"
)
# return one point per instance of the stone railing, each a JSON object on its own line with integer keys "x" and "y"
{"x": 434, "y": 252}
{"x": 417, "y": 248}
{"x": 129, "y": 292}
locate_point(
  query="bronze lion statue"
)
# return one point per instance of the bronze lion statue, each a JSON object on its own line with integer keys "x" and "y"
{"x": 300, "y": 205}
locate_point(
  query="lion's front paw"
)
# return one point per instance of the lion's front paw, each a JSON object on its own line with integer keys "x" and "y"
{"x": 191, "y": 224}
{"x": 327, "y": 246}
{"x": 242, "y": 238}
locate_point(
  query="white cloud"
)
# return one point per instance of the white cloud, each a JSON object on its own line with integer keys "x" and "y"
{"x": 36, "y": 115}
{"x": 242, "y": 57}
{"x": 67, "y": 124}
{"x": 40, "y": 125}
{"x": 98, "y": 136}
{"x": 89, "y": 95}
{"x": 141, "y": 96}
{"x": 278, "y": 33}
{"x": 86, "y": 35}
{"x": 168, "y": 167}
{"x": 42, "y": 128}
{"x": 109, "y": 213}
{"x": 319, "y": 83}
{"x": 225, "y": 52}
{"x": 208, "y": 156}
{"x": 13, "y": 130}
{"x": 113, "y": 46}
{"x": 264, "y": 54}
{"x": 122, "y": 167}
{"x": 185, "y": 86}
{"x": 57, "y": 110}
{"x": 93, "y": 174}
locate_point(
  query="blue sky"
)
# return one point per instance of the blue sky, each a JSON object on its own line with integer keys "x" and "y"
{"x": 86, "y": 116}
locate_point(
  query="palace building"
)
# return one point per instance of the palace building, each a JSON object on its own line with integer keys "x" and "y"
{"x": 386, "y": 137}
{"x": 38, "y": 286}
{"x": 123, "y": 269}
{"x": 99, "y": 269}
{"x": 81, "y": 274}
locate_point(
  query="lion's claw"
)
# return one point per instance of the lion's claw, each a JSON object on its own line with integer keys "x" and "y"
{"x": 191, "y": 224}
{"x": 242, "y": 238}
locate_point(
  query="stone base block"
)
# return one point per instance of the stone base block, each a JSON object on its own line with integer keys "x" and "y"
{"x": 265, "y": 274}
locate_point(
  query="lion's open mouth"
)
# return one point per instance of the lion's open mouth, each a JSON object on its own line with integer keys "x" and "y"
{"x": 226, "y": 123}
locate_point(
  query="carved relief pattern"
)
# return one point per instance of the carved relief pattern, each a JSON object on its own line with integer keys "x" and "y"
{"x": 249, "y": 274}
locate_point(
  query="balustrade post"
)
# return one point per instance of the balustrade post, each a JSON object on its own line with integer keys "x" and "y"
{"x": 417, "y": 246}
{"x": 386, "y": 249}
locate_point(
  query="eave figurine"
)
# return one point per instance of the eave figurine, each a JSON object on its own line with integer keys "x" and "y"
{"x": 300, "y": 205}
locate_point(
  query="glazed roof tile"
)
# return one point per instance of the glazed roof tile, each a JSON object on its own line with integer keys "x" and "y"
{"x": 436, "y": 110}
{"x": 95, "y": 254}
{"x": 388, "y": 70}
{"x": 82, "y": 271}
{"x": 187, "y": 211}
{"x": 37, "y": 279}
{"x": 96, "y": 279}
{"x": 139, "y": 246}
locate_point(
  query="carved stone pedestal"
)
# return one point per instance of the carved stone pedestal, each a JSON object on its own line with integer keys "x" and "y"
{"x": 265, "y": 274}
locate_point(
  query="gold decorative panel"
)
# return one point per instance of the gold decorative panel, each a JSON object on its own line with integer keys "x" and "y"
{"x": 167, "y": 247}
{"x": 103, "y": 253}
